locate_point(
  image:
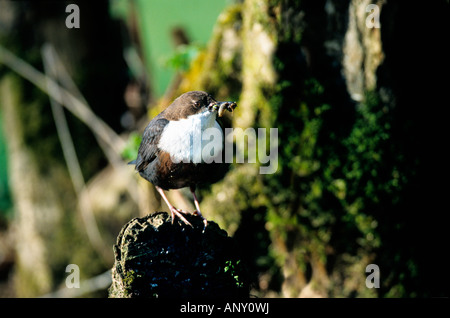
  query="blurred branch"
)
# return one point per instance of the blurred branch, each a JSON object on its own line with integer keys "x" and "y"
{"x": 66, "y": 80}
{"x": 73, "y": 165}
{"x": 111, "y": 143}
{"x": 66, "y": 98}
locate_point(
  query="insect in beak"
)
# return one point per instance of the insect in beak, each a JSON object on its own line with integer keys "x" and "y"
{"x": 223, "y": 106}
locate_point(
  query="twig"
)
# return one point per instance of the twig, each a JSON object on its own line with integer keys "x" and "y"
{"x": 65, "y": 98}
{"x": 114, "y": 158}
{"x": 67, "y": 82}
{"x": 73, "y": 165}
{"x": 111, "y": 143}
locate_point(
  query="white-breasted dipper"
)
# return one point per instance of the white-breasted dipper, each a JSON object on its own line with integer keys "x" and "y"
{"x": 171, "y": 152}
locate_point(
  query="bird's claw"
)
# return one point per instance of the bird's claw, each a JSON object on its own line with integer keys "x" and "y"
{"x": 179, "y": 213}
{"x": 205, "y": 222}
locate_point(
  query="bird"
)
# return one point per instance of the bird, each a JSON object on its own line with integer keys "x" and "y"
{"x": 172, "y": 154}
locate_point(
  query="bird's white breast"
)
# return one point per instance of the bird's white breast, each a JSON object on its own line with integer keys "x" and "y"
{"x": 185, "y": 139}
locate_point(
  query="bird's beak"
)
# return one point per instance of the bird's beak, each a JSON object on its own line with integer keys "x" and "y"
{"x": 221, "y": 107}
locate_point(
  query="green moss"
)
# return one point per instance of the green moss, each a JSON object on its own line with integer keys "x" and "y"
{"x": 155, "y": 258}
{"x": 131, "y": 148}
{"x": 339, "y": 177}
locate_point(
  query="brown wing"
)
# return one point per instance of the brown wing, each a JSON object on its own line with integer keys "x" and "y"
{"x": 148, "y": 150}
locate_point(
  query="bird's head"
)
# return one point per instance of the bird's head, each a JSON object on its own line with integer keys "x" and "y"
{"x": 196, "y": 102}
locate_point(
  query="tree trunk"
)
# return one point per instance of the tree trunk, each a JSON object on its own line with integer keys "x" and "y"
{"x": 158, "y": 259}
{"x": 336, "y": 90}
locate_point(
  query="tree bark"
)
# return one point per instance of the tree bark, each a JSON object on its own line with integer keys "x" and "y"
{"x": 158, "y": 259}
{"x": 338, "y": 91}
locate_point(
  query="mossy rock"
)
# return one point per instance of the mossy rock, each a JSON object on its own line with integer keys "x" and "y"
{"x": 155, "y": 258}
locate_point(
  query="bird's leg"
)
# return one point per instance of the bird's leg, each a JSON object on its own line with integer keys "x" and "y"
{"x": 197, "y": 206}
{"x": 174, "y": 211}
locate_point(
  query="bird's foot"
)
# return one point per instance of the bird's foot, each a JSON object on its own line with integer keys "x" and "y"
{"x": 174, "y": 211}
{"x": 178, "y": 212}
{"x": 197, "y": 206}
{"x": 205, "y": 222}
